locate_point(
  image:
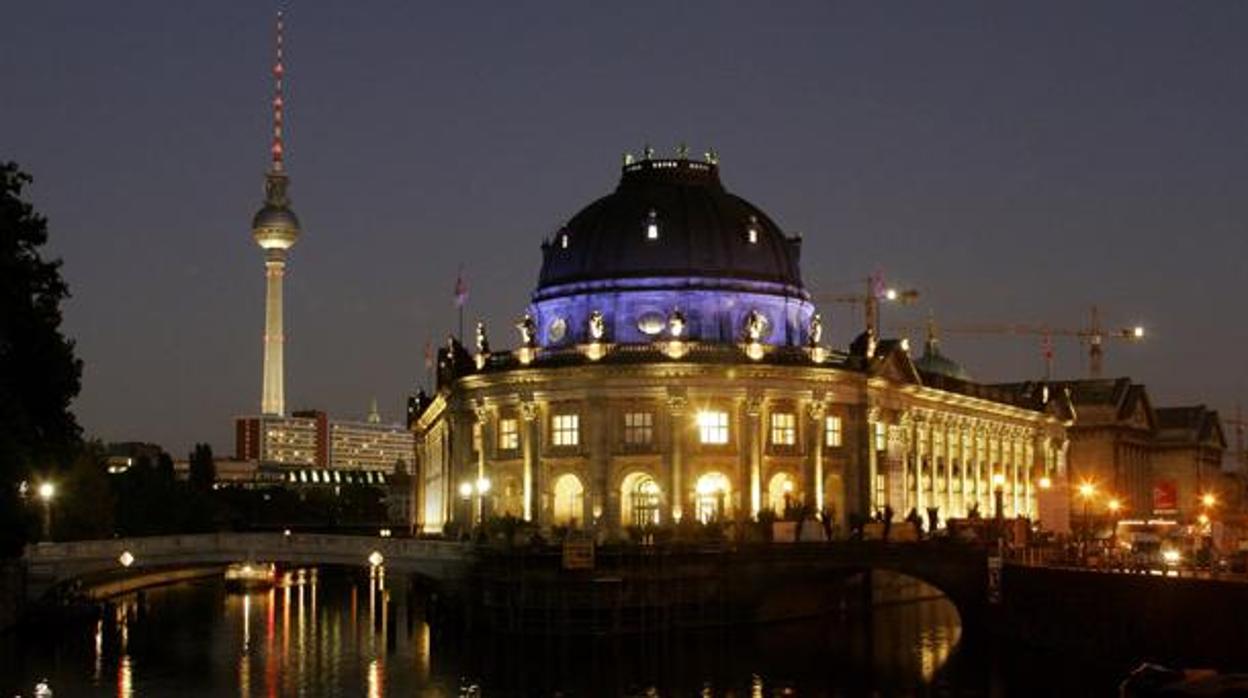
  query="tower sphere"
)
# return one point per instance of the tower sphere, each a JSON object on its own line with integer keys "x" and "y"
{"x": 275, "y": 228}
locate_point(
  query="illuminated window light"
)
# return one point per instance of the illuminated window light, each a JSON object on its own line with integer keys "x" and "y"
{"x": 652, "y": 226}
{"x": 563, "y": 241}
{"x": 753, "y": 236}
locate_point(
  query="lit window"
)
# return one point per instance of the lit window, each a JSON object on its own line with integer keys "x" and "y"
{"x": 713, "y": 427}
{"x": 753, "y": 235}
{"x": 508, "y": 434}
{"x": 563, "y": 241}
{"x": 783, "y": 429}
{"x": 881, "y": 436}
{"x": 832, "y": 431}
{"x": 567, "y": 429}
{"x": 751, "y": 232}
{"x": 652, "y": 226}
{"x": 638, "y": 428}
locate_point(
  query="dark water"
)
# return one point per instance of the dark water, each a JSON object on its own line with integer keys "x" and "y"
{"x": 342, "y": 634}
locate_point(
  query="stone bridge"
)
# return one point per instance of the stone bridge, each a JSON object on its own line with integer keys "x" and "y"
{"x": 49, "y": 565}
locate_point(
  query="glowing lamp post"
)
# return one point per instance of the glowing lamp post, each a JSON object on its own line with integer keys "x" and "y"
{"x": 47, "y": 492}
{"x": 479, "y": 489}
{"x": 1087, "y": 491}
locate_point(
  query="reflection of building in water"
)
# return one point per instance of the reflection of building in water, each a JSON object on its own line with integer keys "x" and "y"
{"x": 671, "y": 365}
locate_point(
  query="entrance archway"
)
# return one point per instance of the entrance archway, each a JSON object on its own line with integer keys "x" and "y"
{"x": 640, "y": 499}
{"x": 712, "y": 497}
{"x": 569, "y": 500}
{"x": 781, "y": 493}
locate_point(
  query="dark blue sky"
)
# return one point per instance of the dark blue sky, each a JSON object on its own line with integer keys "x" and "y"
{"x": 1016, "y": 164}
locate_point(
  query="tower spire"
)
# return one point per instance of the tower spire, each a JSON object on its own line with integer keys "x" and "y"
{"x": 279, "y": 70}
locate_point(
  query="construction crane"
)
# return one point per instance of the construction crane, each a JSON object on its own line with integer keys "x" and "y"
{"x": 876, "y": 291}
{"x": 1094, "y": 335}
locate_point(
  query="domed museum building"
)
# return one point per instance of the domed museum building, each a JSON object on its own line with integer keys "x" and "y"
{"x": 671, "y": 364}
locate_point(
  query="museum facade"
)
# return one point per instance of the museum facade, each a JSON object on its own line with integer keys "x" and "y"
{"x": 671, "y": 364}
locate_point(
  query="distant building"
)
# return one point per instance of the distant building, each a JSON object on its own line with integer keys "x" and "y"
{"x": 121, "y": 456}
{"x": 311, "y": 448}
{"x": 1157, "y": 462}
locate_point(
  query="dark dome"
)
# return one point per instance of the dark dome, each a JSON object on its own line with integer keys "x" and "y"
{"x": 701, "y": 231}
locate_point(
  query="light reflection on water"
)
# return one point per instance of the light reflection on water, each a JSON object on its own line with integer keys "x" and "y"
{"x": 356, "y": 633}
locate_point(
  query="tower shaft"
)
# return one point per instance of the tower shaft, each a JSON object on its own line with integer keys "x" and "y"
{"x": 273, "y": 396}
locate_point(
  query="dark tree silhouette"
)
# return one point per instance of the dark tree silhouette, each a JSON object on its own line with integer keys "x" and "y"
{"x": 203, "y": 469}
{"x": 39, "y": 374}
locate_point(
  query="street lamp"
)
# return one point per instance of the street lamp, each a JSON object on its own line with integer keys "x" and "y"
{"x": 998, "y": 494}
{"x": 1045, "y": 482}
{"x": 1087, "y": 491}
{"x": 480, "y": 489}
{"x": 47, "y": 491}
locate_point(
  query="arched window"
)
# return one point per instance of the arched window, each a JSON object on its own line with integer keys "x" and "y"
{"x": 569, "y": 500}
{"x": 712, "y": 504}
{"x": 781, "y": 493}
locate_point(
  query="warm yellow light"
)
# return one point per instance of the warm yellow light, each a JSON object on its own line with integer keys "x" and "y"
{"x": 711, "y": 484}
{"x": 1203, "y": 519}
{"x": 788, "y": 486}
{"x": 1114, "y": 505}
{"x": 47, "y": 491}
{"x": 707, "y": 418}
{"x": 375, "y": 558}
{"x": 483, "y": 485}
{"x": 998, "y": 480}
{"x": 1138, "y": 332}
{"x": 465, "y": 489}
{"x": 1171, "y": 556}
{"x": 890, "y": 294}
{"x": 1208, "y": 500}
{"x": 1045, "y": 482}
{"x": 126, "y": 559}
{"x": 1086, "y": 490}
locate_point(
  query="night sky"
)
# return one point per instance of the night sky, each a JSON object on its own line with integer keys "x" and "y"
{"x": 1013, "y": 164}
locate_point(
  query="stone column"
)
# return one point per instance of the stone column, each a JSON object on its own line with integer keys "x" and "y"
{"x": 677, "y": 432}
{"x": 532, "y": 449}
{"x": 483, "y": 419}
{"x": 814, "y": 495}
{"x": 599, "y": 455}
{"x": 752, "y": 440}
{"x": 870, "y": 499}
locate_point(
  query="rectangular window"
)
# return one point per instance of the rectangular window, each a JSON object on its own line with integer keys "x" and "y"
{"x": 566, "y": 431}
{"x": 783, "y": 429}
{"x": 638, "y": 428}
{"x": 508, "y": 434}
{"x": 832, "y": 431}
{"x": 881, "y": 436}
{"x": 713, "y": 427}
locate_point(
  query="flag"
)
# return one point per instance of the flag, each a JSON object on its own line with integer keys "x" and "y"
{"x": 461, "y": 289}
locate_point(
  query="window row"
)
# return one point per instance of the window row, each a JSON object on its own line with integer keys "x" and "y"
{"x": 713, "y": 429}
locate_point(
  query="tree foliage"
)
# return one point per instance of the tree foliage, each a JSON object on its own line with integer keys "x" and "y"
{"x": 39, "y": 374}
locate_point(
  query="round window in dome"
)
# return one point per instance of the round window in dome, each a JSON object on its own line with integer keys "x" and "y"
{"x": 651, "y": 323}
{"x": 557, "y": 330}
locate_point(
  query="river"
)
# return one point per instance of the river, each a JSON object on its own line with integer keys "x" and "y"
{"x": 340, "y": 633}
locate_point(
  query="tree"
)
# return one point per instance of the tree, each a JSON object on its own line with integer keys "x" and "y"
{"x": 39, "y": 374}
{"x": 203, "y": 469}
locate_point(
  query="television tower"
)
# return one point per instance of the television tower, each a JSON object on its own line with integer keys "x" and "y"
{"x": 275, "y": 228}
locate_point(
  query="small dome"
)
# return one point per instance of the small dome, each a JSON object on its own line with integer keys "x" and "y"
{"x": 671, "y": 219}
{"x": 935, "y": 362}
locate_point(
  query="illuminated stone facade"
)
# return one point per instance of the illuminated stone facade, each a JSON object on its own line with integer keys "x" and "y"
{"x": 679, "y": 372}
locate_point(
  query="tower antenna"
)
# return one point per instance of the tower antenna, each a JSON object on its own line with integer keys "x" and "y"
{"x": 279, "y": 70}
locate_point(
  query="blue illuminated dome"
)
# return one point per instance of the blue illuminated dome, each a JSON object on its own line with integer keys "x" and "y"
{"x": 670, "y": 239}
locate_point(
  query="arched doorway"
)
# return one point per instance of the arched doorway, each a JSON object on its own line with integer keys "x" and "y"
{"x": 712, "y": 497}
{"x": 781, "y": 493}
{"x": 640, "y": 499}
{"x": 569, "y": 500}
